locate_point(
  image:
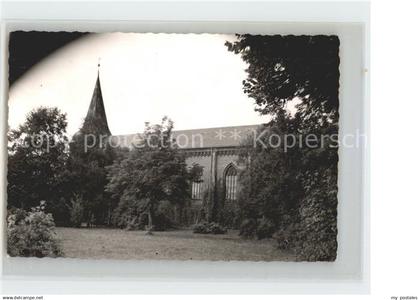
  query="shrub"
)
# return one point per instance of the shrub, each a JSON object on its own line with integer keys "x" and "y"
{"x": 129, "y": 214}
{"x": 317, "y": 241}
{"x": 60, "y": 210}
{"x": 288, "y": 237}
{"x": 137, "y": 222}
{"x": 207, "y": 228}
{"x": 229, "y": 216}
{"x": 200, "y": 228}
{"x": 32, "y": 233}
{"x": 313, "y": 234}
{"x": 162, "y": 222}
{"x": 265, "y": 228}
{"x": 164, "y": 217}
{"x": 132, "y": 215}
{"x": 248, "y": 228}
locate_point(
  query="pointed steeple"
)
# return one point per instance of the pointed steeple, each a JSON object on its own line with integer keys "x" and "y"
{"x": 96, "y": 121}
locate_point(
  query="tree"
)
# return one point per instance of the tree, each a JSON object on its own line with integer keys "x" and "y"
{"x": 90, "y": 154}
{"x": 37, "y": 159}
{"x": 154, "y": 172}
{"x": 282, "y": 68}
{"x": 302, "y": 70}
{"x": 270, "y": 186}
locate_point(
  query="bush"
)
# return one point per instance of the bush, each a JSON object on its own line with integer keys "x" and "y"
{"x": 132, "y": 215}
{"x": 265, "y": 228}
{"x": 207, "y": 228}
{"x": 313, "y": 234}
{"x": 289, "y": 236}
{"x": 32, "y": 233}
{"x": 161, "y": 222}
{"x": 60, "y": 210}
{"x": 129, "y": 214}
{"x": 248, "y": 228}
{"x": 136, "y": 222}
{"x": 317, "y": 241}
{"x": 164, "y": 217}
{"x": 229, "y": 216}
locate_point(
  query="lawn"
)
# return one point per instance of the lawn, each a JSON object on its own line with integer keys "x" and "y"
{"x": 175, "y": 245}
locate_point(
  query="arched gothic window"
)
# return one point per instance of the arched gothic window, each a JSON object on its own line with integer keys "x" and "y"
{"x": 197, "y": 190}
{"x": 231, "y": 178}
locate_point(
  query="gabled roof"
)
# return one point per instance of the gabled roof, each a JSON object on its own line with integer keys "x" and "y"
{"x": 217, "y": 137}
{"x": 213, "y": 137}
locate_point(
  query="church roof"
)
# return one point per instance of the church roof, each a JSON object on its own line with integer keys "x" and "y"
{"x": 96, "y": 121}
{"x": 217, "y": 137}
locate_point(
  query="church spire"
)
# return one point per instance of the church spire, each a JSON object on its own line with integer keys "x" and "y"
{"x": 96, "y": 121}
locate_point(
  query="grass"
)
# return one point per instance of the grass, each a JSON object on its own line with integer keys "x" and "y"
{"x": 174, "y": 245}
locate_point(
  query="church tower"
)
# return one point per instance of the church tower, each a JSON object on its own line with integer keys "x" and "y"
{"x": 96, "y": 121}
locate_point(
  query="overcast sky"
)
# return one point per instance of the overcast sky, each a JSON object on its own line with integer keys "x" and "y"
{"x": 191, "y": 78}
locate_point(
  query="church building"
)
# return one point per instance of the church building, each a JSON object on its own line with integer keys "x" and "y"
{"x": 215, "y": 149}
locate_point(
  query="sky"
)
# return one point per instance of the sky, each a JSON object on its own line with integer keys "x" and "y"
{"x": 191, "y": 78}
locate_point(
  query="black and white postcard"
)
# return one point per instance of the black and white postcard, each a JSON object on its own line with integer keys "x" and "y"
{"x": 156, "y": 146}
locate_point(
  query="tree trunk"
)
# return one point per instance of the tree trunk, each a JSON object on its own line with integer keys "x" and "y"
{"x": 150, "y": 215}
{"x": 90, "y": 220}
{"x": 179, "y": 213}
{"x": 150, "y": 218}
